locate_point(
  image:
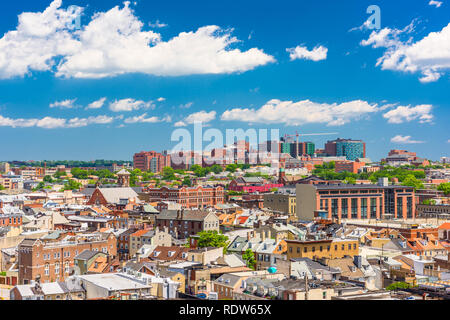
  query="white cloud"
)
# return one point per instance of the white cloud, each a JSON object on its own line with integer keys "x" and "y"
{"x": 401, "y": 114}
{"x": 145, "y": 119}
{"x": 157, "y": 24}
{"x": 180, "y": 124}
{"x": 186, "y": 105}
{"x": 161, "y": 99}
{"x": 430, "y": 56}
{"x": 54, "y": 123}
{"x": 66, "y": 104}
{"x": 83, "y": 122}
{"x": 129, "y": 105}
{"x": 437, "y": 4}
{"x": 115, "y": 43}
{"x": 404, "y": 140}
{"x": 302, "y": 112}
{"x": 97, "y": 104}
{"x": 362, "y": 27}
{"x": 201, "y": 116}
{"x": 316, "y": 54}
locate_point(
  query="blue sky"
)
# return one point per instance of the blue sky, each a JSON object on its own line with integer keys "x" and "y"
{"x": 50, "y": 73}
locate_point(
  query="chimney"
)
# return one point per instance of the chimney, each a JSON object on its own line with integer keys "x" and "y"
{"x": 263, "y": 235}
{"x": 249, "y": 235}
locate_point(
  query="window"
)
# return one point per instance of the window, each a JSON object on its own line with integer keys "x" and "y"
{"x": 57, "y": 267}
{"x": 66, "y": 267}
{"x": 47, "y": 269}
{"x": 324, "y": 294}
{"x": 305, "y": 249}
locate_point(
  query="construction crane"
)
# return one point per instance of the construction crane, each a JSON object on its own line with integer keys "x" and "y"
{"x": 298, "y": 135}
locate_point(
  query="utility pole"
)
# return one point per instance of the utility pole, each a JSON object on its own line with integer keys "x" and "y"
{"x": 306, "y": 287}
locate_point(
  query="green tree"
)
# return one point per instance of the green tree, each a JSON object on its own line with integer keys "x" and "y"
{"x": 2, "y": 187}
{"x": 412, "y": 181}
{"x": 231, "y": 168}
{"x": 60, "y": 174}
{"x": 40, "y": 186}
{"x": 72, "y": 185}
{"x": 187, "y": 181}
{"x": 48, "y": 179}
{"x": 79, "y": 173}
{"x": 350, "y": 180}
{"x": 211, "y": 239}
{"x": 398, "y": 285}
{"x": 249, "y": 258}
{"x": 444, "y": 187}
{"x": 168, "y": 174}
{"x": 216, "y": 169}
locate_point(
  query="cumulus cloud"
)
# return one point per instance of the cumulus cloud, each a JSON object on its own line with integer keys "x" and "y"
{"x": 180, "y": 124}
{"x": 130, "y": 105}
{"x": 54, "y": 123}
{"x": 65, "y": 104}
{"x": 437, "y": 4}
{"x": 115, "y": 43}
{"x": 401, "y": 114}
{"x": 316, "y": 54}
{"x": 84, "y": 122}
{"x": 429, "y": 56}
{"x": 145, "y": 119}
{"x": 404, "y": 140}
{"x": 161, "y": 99}
{"x": 97, "y": 104}
{"x": 201, "y": 116}
{"x": 302, "y": 112}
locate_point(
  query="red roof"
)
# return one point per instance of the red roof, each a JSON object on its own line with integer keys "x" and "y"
{"x": 445, "y": 226}
{"x": 242, "y": 219}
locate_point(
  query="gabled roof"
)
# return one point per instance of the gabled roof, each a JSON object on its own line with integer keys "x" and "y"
{"x": 114, "y": 195}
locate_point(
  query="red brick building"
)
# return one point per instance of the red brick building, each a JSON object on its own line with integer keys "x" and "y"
{"x": 151, "y": 161}
{"x": 54, "y": 260}
{"x": 189, "y": 197}
{"x": 12, "y": 220}
{"x": 185, "y": 223}
{"x": 350, "y": 166}
{"x": 363, "y": 201}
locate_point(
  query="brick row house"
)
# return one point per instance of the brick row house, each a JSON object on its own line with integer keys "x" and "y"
{"x": 188, "y": 197}
{"x": 54, "y": 260}
{"x": 185, "y": 223}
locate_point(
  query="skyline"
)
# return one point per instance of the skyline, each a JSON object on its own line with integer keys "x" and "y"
{"x": 102, "y": 92}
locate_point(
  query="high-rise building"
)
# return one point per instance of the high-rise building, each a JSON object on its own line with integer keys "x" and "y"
{"x": 297, "y": 150}
{"x": 151, "y": 161}
{"x": 351, "y": 149}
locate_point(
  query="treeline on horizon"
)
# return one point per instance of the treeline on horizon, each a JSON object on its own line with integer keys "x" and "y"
{"x": 70, "y": 163}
